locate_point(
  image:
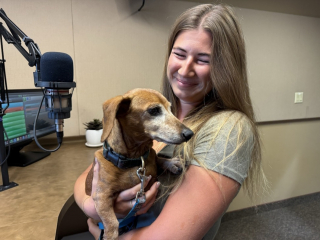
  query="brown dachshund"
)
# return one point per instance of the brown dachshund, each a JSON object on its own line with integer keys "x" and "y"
{"x": 130, "y": 124}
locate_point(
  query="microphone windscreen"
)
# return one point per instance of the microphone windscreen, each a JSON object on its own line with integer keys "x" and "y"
{"x": 56, "y": 67}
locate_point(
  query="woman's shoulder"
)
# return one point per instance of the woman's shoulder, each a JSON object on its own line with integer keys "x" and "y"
{"x": 225, "y": 126}
{"x": 227, "y": 119}
{"x": 224, "y": 144}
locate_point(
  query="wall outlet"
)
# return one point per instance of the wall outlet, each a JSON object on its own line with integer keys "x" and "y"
{"x": 298, "y": 97}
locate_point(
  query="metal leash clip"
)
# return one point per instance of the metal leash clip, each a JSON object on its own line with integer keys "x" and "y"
{"x": 140, "y": 196}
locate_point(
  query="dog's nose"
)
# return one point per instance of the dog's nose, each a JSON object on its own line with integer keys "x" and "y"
{"x": 187, "y": 134}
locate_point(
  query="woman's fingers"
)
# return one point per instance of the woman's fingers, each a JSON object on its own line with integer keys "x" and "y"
{"x": 126, "y": 199}
{"x": 131, "y": 193}
{"x": 152, "y": 193}
{"x": 123, "y": 202}
{"x": 150, "y": 198}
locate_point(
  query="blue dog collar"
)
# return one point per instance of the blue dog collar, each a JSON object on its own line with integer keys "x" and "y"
{"x": 119, "y": 160}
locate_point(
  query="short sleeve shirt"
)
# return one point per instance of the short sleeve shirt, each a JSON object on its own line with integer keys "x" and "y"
{"x": 224, "y": 144}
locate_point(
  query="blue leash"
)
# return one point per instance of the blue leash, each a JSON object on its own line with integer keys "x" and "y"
{"x": 131, "y": 215}
{"x": 140, "y": 199}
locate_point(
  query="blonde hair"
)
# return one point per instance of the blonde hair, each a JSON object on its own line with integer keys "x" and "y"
{"x": 229, "y": 79}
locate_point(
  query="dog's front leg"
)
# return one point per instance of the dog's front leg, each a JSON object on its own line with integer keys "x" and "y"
{"x": 172, "y": 164}
{"x": 104, "y": 206}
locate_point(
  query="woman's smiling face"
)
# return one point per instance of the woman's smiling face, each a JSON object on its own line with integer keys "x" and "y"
{"x": 188, "y": 67}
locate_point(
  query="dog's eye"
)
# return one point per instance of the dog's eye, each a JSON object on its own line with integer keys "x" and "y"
{"x": 155, "y": 111}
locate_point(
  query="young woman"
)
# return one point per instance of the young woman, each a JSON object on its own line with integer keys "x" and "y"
{"x": 205, "y": 79}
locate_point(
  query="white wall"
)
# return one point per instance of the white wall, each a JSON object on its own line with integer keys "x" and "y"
{"x": 116, "y": 49}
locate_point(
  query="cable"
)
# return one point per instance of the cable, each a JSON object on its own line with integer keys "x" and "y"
{"x": 141, "y": 6}
{"x": 7, "y": 98}
{"x": 9, "y": 148}
{"x": 34, "y": 130}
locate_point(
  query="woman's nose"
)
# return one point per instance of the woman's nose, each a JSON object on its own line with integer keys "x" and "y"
{"x": 186, "y": 69}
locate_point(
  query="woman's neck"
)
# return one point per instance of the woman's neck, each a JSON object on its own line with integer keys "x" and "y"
{"x": 185, "y": 108}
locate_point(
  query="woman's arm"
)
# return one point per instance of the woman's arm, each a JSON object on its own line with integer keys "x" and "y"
{"x": 84, "y": 201}
{"x": 190, "y": 212}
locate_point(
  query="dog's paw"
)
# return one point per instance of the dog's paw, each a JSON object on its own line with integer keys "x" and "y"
{"x": 174, "y": 165}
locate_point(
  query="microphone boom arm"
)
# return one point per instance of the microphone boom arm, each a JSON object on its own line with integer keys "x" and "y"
{"x": 34, "y": 54}
{"x": 33, "y": 57}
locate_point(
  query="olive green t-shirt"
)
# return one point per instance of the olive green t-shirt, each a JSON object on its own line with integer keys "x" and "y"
{"x": 224, "y": 144}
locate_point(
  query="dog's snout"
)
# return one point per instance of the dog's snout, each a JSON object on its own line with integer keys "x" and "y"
{"x": 187, "y": 134}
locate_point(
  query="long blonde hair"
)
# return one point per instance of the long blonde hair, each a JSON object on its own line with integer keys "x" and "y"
{"x": 228, "y": 72}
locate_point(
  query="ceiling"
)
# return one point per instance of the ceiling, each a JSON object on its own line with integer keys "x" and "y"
{"x": 310, "y": 8}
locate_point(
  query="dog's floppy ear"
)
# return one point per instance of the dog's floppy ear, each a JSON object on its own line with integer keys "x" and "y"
{"x": 113, "y": 108}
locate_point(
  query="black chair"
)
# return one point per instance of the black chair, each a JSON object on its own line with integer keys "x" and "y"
{"x": 72, "y": 221}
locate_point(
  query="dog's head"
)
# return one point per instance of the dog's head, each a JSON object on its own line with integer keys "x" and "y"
{"x": 141, "y": 114}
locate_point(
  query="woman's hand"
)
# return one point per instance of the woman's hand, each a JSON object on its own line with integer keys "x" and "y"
{"x": 126, "y": 199}
{"x": 123, "y": 203}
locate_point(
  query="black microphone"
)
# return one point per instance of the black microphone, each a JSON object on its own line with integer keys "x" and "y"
{"x": 56, "y": 71}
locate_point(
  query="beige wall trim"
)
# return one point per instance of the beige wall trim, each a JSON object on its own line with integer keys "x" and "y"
{"x": 287, "y": 121}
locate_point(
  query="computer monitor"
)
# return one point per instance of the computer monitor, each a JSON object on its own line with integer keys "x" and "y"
{"x": 18, "y": 123}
